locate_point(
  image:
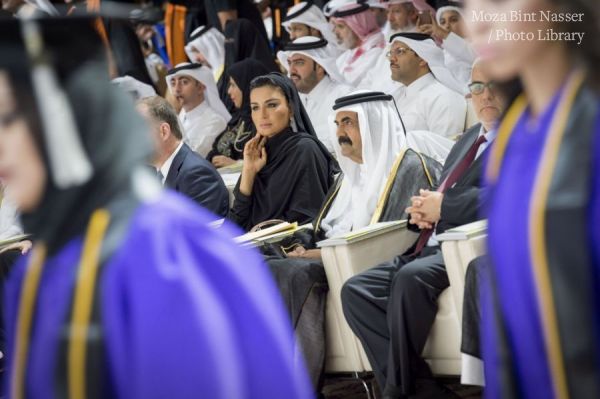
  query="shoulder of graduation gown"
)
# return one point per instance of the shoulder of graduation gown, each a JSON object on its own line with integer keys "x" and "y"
{"x": 182, "y": 315}
{"x": 572, "y": 249}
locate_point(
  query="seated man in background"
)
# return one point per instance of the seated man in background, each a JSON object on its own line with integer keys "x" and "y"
{"x": 431, "y": 99}
{"x": 203, "y": 114}
{"x": 448, "y": 28}
{"x": 392, "y": 307}
{"x": 306, "y": 19}
{"x": 357, "y": 32}
{"x": 314, "y": 73}
{"x": 178, "y": 167}
{"x": 206, "y": 46}
{"x": 402, "y": 16}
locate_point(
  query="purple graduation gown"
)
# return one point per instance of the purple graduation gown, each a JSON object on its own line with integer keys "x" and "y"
{"x": 184, "y": 311}
{"x": 515, "y": 339}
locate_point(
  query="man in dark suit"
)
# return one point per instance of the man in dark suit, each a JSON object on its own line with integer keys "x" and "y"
{"x": 392, "y": 306}
{"x": 177, "y": 166}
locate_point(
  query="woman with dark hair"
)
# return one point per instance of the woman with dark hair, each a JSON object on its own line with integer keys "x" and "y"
{"x": 540, "y": 327}
{"x": 229, "y": 145}
{"x": 128, "y": 291}
{"x": 287, "y": 171}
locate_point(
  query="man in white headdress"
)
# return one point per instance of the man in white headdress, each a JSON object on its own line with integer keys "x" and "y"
{"x": 432, "y": 98}
{"x": 206, "y": 45}
{"x": 357, "y": 31}
{"x": 448, "y": 28}
{"x": 203, "y": 115}
{"x": 314, "y": 73}
{"x": 306, "y": 19}
{"x": 136, "y": 89}
{"x": 402, "y": 17}
{"x": 379, "y": 8}
{"x": 367, "y": 138}
{"x": 30, "y": 8}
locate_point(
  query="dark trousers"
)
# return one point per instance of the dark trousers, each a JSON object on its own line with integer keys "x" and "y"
{"x": 391, "y": 309}
{"x": 474, "y": 278}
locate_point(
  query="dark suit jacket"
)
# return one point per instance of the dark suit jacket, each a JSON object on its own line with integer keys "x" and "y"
{"x": 462, "y": 202}
{"x": 195, "y": 177}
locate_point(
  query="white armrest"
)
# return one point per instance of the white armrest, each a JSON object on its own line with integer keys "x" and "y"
{"x": 344, "y": 350}
{"x": 458, "y": 252}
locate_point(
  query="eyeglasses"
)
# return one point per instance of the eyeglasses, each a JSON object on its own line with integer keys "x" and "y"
{"x": 397, "y": 52}
{"x": 479, "y": 87}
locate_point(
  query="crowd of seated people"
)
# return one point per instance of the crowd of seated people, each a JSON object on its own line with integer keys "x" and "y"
{"x": 313, "y": 130}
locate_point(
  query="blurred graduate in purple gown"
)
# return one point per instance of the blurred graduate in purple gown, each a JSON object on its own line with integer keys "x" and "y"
{"x": 541, "y": 324}
{"x": 128, "y": 291}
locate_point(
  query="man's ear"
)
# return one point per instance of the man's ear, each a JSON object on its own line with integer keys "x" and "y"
{"x": 165, "y": 131}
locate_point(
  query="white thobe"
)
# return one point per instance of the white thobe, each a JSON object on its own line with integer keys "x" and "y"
{"x": 459, "y": 57}
{"x": 353, "y": 64}
{"x": 319, "y": 105}
{"x": 201, "y": 127}
{"x": 426, "y": 104}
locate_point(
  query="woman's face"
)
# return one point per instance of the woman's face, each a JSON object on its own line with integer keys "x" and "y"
{"x": 235, "y": 93}
{"x": 271, "y": 112}
{"x": 504, "y": 35}
{"x": 21, "y": 165}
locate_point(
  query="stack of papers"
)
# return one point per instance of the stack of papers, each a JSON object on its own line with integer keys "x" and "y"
{"x": 369, "y": 231}
{"x": 271, "y": 234}
{"x": 234, "y": 168}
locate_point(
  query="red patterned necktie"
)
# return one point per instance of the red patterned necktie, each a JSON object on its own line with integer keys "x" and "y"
{"x": 449, "y": 181}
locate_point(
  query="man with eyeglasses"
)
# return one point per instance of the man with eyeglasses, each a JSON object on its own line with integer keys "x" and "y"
{"x": 392, "y": 307}
{"x": 431, "y": 99}
{"x": 313, "y": 70}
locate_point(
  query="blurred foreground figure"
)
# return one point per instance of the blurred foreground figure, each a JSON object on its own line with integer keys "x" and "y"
{"x": 128, "y": 292}
{"x": 540, "y": 332}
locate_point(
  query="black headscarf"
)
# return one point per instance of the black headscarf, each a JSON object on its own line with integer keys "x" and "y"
{"x": 242, "y": 41}
{"x": 298, "y": 174}
{"x": 243, "y": 72}
{"x": 114, "y": 138}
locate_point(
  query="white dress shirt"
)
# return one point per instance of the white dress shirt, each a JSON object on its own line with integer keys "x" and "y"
{"x": 201, "y": 127}
{"x": 164, "y": 169}
{"x": 354, "y": 63}
{"x": 319, "y": 105}
{"x": 426, "y": 104}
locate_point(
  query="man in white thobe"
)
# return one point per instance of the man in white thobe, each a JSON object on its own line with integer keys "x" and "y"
{"x": 356, "y": 30}
{"x": 306, "y": 19}
{"x": 203, "y": 115}
{"x": 431, "y": 98}
{"x": 315, "y": 75}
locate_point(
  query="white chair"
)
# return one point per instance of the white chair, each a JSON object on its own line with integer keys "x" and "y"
{"x": 459, "y": 247}
{"x": 345, "y": 353}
